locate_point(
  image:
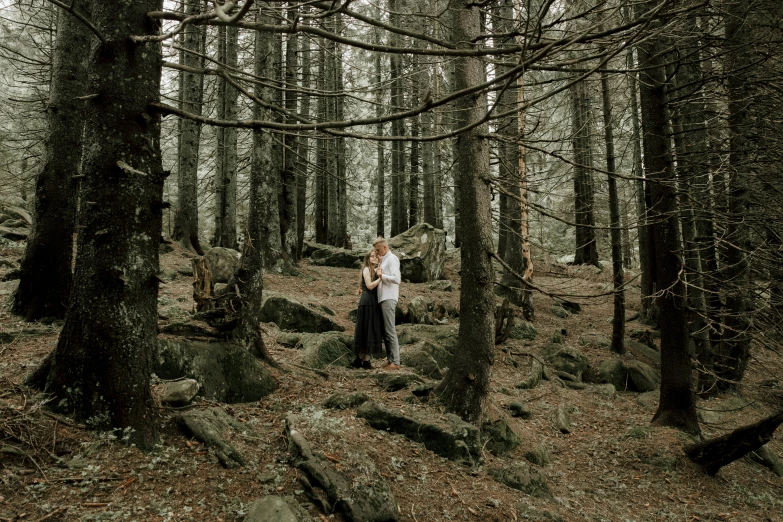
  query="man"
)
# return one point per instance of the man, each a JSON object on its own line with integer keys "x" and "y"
{"x": 388, "y": 294}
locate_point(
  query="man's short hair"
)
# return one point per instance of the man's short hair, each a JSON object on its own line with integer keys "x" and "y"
{"x": 379, "y": 241}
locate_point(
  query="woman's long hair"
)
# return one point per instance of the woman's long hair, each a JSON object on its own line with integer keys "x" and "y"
{"x": 367, "y": 264}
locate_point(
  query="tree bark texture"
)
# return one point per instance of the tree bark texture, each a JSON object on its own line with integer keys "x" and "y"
{"x": 226, "y": 156}
{"x": 303, "y": 149}
{"x": 102, "y": 362}
{"x": 618, "y": 275}
{"x": 465, "y": 387}
{"x": 677, "y": 407}
{"x": 646, "y": 249}
{"x": 581, "y": 114}
{"x": 264, "y": 175}
{"x": 186, "y": 224}
{"x": 288, "y": 182}
{"x": 380, "y": 150}
{"x": 322, "y": 150}
{"x": 45, "y": 273}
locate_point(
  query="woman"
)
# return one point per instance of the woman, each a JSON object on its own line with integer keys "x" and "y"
{"x": 368, "y": 335}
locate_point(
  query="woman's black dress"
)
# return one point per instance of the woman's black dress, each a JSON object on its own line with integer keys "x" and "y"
{"x": 368, "y": 335}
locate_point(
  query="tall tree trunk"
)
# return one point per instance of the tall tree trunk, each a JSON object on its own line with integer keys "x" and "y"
{"x": 226, "y": 158}
{"x": 734, "y": 350}
{"x": 45, "y": 273}
{"x": 465, "y": 388}
{"x": 677, "y": 407}
{"x": 288, "y": 183}
{"x": 512, "y": 172}
{"x": 646, "y": 246}
{"x": 413, "y": 184}
{"x": 339, "y": 114}
{"x": 322, "y": 151}
{"x": 380, "y": 151}
{"x": 690, "y": 139}
{"x": 262, "y": 225}
{"x": 618, "y": 276}
{"x": 192, "y": 95}
{"x": 102, "y": 363}
{"x": 586, "y": 245}
{"x": 399, "y": 218}
{"x": 303, "y": 148}
{"x": 332, "y": 174}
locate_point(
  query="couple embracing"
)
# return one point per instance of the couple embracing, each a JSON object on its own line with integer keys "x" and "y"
{"x": 380, "y": 290}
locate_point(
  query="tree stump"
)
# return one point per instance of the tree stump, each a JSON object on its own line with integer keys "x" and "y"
{"x": 202, "y": 285}
{"x": 715, "y": 453}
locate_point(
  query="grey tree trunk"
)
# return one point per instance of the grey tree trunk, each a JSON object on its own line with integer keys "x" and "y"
{"x": 380, "y": 151}
{"x": 262, "y": 225}
{"x": 45, "y": 272}
{"x": 582, "y": 124}
{"x": 618, "y": 275}
{"x": 191, "y": 96}
{"x": 413, "y": 182}
{"x": 465, "y": 388}
{"x": 677, "y": 407}
{"x": 322, "y": 151}
{"x": 303, "y": 149}
{"x": 288, "y": 182}
{"x": 102, "y": 362}
{"x": 341, "y": 235}
{"x": 264, "y": 171}
{"x": 511, "y": 172}
{"x": 226, "y": 153}
{"x": 646, "y": 248}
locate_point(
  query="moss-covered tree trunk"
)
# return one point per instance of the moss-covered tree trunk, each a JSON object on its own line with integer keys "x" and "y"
{"x": 102, "y": 362}
{"x": 45, "y": 272}
{"x": 465, "y": 387}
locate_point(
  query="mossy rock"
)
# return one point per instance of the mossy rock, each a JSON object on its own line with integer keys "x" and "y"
{"x": 642, "y": 377}
{"x": 422, "y": 362}
{"x": 343, "y": 401}
{"x": 444, "y": 336}
{"x": 613, "y": 371}
{"x": 563, "y": 358}
{"x": 538, "y": 455}
{"x": 225, "y": 372}
{"x": 325, "y": 350}
{"x": 289, "y": 314}
{"x": 523, "y": 330}
{"x": 520, "y": 476}
{"x": 498, "y": 437}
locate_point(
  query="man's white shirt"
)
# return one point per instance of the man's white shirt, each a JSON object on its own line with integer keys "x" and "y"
{"x": 390, "y": 284}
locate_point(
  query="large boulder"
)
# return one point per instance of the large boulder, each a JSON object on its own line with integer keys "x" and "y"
{"x": 613, "y": 371}
{"x": 563, "y": 358}
{"x": 224, "y": 372}
{"x": 325, "y": 350}
{"x": 422, "y": 253}
{"x": 448, "y": 436}
{"x": 444, "y": 336}
{"x": 222, "y": 263}
{"x": 642, "y": 377}
{"x": 422, "y": 357}
{"x": 499, "y": 437}
{"x": 360, "y": 493}
{"x": 327, "y": 255}
{"x": 289, "y": 314}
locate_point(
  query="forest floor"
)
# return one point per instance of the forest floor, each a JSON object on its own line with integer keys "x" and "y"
{"x": 613, "y": 466}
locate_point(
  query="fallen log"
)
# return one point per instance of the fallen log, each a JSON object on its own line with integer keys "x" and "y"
{"x": 715, "y": 453}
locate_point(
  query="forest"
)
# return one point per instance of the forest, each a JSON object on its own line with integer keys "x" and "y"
{"x": 584, "y": 197}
